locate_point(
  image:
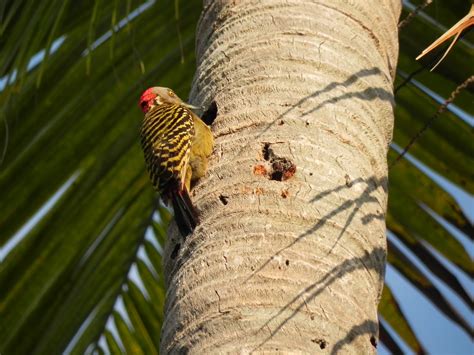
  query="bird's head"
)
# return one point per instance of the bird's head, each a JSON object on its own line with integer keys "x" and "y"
{"x": 157, "y": 95}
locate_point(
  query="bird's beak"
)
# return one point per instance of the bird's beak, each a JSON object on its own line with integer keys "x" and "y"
{"x": 192, "y": 107}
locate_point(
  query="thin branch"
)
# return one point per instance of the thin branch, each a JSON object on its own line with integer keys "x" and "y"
{"x": 438, "y": 112}
{"x": 412, "y": 15}
{"x": 408, "y": 78}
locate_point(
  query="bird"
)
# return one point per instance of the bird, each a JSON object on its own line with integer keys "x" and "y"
{"x": 176, "y": 144}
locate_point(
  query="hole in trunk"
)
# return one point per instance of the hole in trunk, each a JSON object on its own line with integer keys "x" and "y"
{"x": 322, "y": 343}
{"x": 280, "y": 168}
{"x": 373, "y": 341}
{"x": 283, "y": 169}
{"x": 266, "y": 151}
{"x": 224, "y": 199}
{"x": 210, "y": 114}
{"x": 276, "y": 175}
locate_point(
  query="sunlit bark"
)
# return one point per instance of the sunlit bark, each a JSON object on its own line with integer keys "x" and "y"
{"x": 290, "y": 252}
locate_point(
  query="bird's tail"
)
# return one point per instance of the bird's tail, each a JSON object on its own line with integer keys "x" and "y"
{"x": 184, "y": 212}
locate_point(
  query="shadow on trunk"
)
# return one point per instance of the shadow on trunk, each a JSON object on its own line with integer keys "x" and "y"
{"x": 365, "y": 197}
{"x": 348, "y": 266}
{"x": 368, "y": 94}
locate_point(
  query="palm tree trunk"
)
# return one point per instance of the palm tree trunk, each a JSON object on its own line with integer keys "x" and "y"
{"x": 290, "y": 252}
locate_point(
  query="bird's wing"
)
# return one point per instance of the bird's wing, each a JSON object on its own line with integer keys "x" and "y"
{"x": 166, "y": 140}
{"x": 171, "y": 161}
{"x": 203, "y": 142}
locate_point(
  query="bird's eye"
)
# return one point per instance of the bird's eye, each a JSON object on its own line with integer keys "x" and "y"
{"x": 171, "y": 93}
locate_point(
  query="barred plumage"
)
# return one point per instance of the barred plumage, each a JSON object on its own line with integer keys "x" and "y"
{"x": 176, "y": 144}
{"x": 166, "y": 136}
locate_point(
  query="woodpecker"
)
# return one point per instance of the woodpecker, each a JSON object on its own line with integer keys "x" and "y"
{"x": 176, "y": 144}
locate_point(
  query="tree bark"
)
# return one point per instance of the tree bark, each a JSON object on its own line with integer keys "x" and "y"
{"x": 290, "y": 253}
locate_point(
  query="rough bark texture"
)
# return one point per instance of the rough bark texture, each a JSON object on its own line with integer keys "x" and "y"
{"x": 289, "y": 256}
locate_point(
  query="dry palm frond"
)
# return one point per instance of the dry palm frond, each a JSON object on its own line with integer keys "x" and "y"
{"x": 456, "y": 31}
